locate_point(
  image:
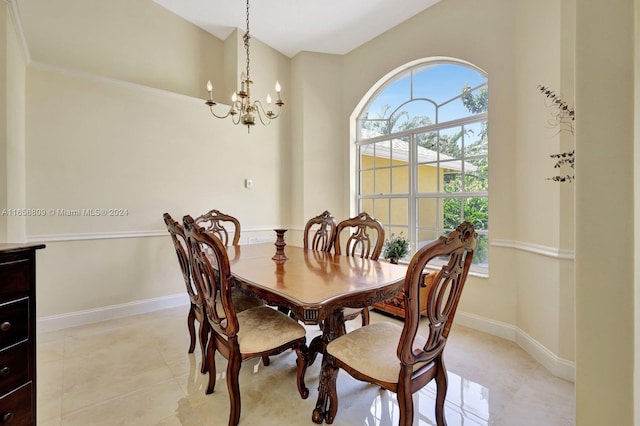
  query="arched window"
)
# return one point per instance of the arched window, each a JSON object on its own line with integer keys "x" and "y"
{"x": 422, "y": 153}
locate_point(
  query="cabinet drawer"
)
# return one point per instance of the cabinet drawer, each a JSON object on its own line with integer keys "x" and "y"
{"x": 16, "y": 408}
{"x": 15, "y": 276}
{"x": 14, "y": 322}
{"x": 14, "y": 370}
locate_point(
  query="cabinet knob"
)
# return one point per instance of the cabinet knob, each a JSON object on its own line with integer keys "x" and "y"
{"x": 4, "y": 371}
{"x": 5, "y": 326}
{"x": 7, "y": 418}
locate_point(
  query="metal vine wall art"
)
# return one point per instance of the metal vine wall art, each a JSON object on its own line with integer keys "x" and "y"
{"x": 563, "y": 118}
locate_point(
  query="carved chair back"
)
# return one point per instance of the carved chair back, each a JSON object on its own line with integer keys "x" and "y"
{"x": 320, "y": 232}
{"x": 220, "y": 224}
{"x": 180, "y": 244}
{"x": 443, "y": 293}
{"x": 366, "y": 239}
{"x": 211, "y": 271}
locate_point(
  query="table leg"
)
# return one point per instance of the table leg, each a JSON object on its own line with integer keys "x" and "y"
{"x": 327, "y": 402}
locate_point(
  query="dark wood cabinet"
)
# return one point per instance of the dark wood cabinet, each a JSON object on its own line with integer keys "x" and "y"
{"x": 395, "y": 305}
{"x": 18, "y": 334}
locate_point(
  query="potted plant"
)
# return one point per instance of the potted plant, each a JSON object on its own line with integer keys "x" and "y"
{"x": 395, "y": 248}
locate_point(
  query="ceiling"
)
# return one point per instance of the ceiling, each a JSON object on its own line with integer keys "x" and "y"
{"x": 292, "y": 26}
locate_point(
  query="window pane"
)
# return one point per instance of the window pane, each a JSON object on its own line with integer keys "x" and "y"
{"x": 399, "y": 211}
{"x": 366, "y": 182}
{"x": 481, "y": 253}
{"x": 476, "y": 175}
{"x": 476, "y": 211}
{"x": 400, "y": 180}
{"x": 382, "y": 181}
{"x": 367, "y": 157}
{"x": 475, "y": 139}
{"x": 381, "y": 210}
{"x": 450, "y": 143}
{"x": 399, "y": 151}
{"x": 427, "y": 146}
{"x": 451, "y": 176}
{"x": 427, "y": 178}
{"x": 428, "y": 213}
{"x": 452, "y": 214}
{"x": 366, "y": 205}
{"x": 453, "y": 110}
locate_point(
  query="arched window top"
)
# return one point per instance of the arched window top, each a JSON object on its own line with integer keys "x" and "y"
{"x": 424, "y": 95}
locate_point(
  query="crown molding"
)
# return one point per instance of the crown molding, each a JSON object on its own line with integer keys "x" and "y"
{"x": 14, "y": 12}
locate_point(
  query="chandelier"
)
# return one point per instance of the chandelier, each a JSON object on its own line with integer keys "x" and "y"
{"x": 243, "y": 110}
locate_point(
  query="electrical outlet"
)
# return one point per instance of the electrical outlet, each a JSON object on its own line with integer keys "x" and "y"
{"x": 248, "y": 183}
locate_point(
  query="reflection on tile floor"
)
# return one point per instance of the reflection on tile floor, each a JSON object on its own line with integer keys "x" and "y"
{"x": 136, "y": 371}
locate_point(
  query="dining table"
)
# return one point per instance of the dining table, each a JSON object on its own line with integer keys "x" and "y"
{"x": 315, "y": 286}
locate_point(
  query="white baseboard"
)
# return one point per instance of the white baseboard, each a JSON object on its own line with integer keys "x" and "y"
{"x": 74, "y": 319}
{"x": 559, "y": 367}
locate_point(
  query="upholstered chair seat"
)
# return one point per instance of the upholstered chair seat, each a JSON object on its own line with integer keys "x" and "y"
{"x": 372, "y": 350}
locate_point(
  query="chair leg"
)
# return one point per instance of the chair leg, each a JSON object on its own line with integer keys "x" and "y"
{"x": 265, "y": 361}
{"x": 441, "y": 390}
{"x": 302, "y": 370}
{"x": 405, "y": 400}
{"x": 211, "y": 365}
{"x": 191, "y": 320}
{"x": 365, "y": 316}
{"x": 233, "y": 373}
{"x": 204, "y": 337}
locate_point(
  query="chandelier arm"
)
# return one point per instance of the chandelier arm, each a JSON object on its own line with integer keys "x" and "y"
{"x": 220, "y": 116}
{"x": 259, "y": 113}
{"x": 258, "y": 106}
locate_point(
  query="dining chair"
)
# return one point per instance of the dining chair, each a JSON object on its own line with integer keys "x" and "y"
{"x": 196, "y": 310}
{"x": 238, "y": 336}
{"x": 400, "y": 358}
{"x": 320, "y": 232}
{"x": 365, "y": 241}
{"x": 220, "y": 224}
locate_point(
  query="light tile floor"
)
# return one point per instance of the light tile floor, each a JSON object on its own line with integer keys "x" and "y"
{"x": 136, "y": 371}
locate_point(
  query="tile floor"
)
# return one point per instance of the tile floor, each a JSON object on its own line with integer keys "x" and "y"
{"x": 136, "y": 371}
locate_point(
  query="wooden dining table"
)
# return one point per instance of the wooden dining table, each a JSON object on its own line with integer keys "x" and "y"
{"x": 315, "y": 286}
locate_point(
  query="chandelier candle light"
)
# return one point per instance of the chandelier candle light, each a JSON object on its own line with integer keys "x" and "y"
{"x": 243, "y": 110}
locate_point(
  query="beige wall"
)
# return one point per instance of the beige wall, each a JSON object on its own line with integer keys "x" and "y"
{"x": 131, "y": 40}
{"x": 605, "y": 218}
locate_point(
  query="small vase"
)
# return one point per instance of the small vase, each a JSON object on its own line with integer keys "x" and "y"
{"x": 393, "y": 260}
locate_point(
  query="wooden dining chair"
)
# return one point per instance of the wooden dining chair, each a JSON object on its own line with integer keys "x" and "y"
{"x": 238, "y": 336}
{"x": 320, "y": 232}
{"x": 365, "y": 241}
{"x": 399, "y": 358}
{"x": 196, "y": 310}
{"x": 223, "y": 226}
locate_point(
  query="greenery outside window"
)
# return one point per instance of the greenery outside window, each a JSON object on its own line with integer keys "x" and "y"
{"x": 423, "y": 151}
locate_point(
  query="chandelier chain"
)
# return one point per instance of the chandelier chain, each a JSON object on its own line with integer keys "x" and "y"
{"x": 246, "y": 40}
